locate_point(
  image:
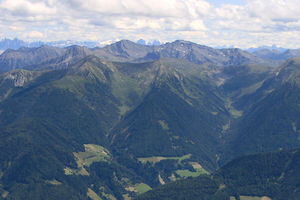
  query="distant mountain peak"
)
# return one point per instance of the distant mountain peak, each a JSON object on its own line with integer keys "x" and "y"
{"x": 141, "y": 41}
{"x": 183, "y": 42}
{"x": 126, "y": 42}
{"x": 273, "y": 47}
{"x": 149, "y": 43}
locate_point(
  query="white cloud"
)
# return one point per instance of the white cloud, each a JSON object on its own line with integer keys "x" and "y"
{"x": 33, "y": 35}
{"x": 27, "y": 8}
{"x": 257, "y": 22}
{"x": 274, "y": 9}
{"x": 106, "y": 42}
{"x": 198, "y": 25}
{"x": 154, "y": 8}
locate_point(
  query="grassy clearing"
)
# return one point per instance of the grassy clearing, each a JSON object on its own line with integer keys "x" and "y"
{"x": 172, "y": 177}
{"x": 187, "y": 173}
{"x": 79, "y": 171}
{"x": 156, "y": 159}
{"x": 139, "y": 188}
{"x": 199, "y": 170}
{"x": 153, "y": 159}
{"x": 130, "y": 189}
{"x": 214, "y": 113}
{"x": 142, "y": 188}
{"x": 268, "y": 91}
{"x": 234, "y": 112}
{"x": 126, "y": 197}
{"x": 93, "y": 153}
{"x": 4, "y": 194}
{"x": 124, "y": 109}
{"x": 202, "y": 171}
{"x": 53, "y": 182}
{"x": 68, "y": 171}
{"x": 91, "y": 194}
{"x": 163, "y": 125}
{"x": 225, "y": 127}
{"x": 196, "y": 166}
{"x": 161, "y": 181}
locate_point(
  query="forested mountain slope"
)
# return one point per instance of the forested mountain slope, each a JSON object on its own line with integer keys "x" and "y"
{"x": 114, "y": 122}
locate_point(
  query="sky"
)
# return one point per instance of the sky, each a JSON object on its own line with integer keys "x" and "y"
{"x": 238, "y": 23}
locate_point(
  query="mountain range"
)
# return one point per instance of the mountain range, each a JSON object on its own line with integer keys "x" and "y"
{"x": 116, "y": 121}
{"x": 123, "y": 51}
{"x": 17, "y": 43}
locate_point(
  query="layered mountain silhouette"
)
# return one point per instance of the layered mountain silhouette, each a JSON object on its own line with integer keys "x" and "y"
{"x": 124, "y": 51}
{"x": 114, "y": 122}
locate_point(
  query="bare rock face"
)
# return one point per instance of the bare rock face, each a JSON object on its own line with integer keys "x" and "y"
{"x": 18, "y": 78}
